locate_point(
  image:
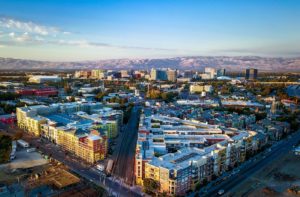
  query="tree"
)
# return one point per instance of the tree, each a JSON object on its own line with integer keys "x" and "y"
{"x": 154, "y": 94}
{"x": 18, "y": 135}
{"x": 100, "y": 96}
{"x": 67, "y": 88}
{"x": 72, "y": 99}
{"x": 168, "y": 96}
{"x": 151, "y": 186}
{"x": 5, "y": 148}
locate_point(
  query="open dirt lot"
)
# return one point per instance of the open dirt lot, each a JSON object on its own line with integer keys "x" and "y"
{"x": 273, "y": 180}
{"x": 24, "y": 164}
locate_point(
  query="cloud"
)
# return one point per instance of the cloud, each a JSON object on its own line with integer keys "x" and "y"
{"x": 20, "y": 37}
{"x": 11, "y": 34}
{"x": 66, "y": 32}
{"x": 2, "y": 46}
{"x": 31, "y": 27}
{"x": 27, "y": 32}
{"x": 85, "y": 43}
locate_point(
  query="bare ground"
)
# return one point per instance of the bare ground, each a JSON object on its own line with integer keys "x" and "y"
{"x": 273, "y": 180}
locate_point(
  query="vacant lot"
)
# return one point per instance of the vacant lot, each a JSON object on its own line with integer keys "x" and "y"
{"x": 9, "y": 176}
{"x": 273, "y": 180}
{"x": 24, "y": 164}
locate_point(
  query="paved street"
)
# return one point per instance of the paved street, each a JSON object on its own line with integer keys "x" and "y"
{"x": 253, "y": 165}
{"x": 124, "y": 158}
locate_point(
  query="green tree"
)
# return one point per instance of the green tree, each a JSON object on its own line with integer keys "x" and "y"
{"x": 151, "y": 186}
{"x": 5, "y": 148}
{"x": 100, "y": 96}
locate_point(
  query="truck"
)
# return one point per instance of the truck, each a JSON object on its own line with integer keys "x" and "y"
{"x": 23, "y": 143}
{"x": 109, "y": 166}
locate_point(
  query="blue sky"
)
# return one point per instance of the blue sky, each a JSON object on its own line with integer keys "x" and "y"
{"x": 90, "y": 30}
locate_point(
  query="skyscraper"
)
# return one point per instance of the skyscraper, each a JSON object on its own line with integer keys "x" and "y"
{"x": 221, "y": 72}
{"x": 251, "y": 73}
{"x": 172, "y": 75}
{"x": 153, "y": 74}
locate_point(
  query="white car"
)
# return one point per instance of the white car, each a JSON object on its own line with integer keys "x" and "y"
{"x": 100, "y": 167}
{"x": 221, "y": 192}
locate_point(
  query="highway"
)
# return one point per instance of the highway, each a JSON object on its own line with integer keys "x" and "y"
{"x": 256, "y": 163}
{"x": 124, "y": 158}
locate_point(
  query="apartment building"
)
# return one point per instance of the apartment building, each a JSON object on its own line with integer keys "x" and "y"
{"x": 90, "y": 147}
{"x": 80, "y": 128}
{"x": 179, "y": 154}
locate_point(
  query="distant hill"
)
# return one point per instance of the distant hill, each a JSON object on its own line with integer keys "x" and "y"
{"x": 184, "y": 63}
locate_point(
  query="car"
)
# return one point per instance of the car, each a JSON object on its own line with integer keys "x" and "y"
{"x": 221, "y": 192}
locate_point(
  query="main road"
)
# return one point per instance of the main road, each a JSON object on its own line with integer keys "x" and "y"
{"x": 124, "y": 157}
{"x": 251, "y": 166}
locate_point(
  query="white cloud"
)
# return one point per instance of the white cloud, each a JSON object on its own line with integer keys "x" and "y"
{"x": 17, "y": 25}
{"x": 27, "y": 32}
{"x": 39, "y": 38}
{"x": 11, "y": 34}
{"x": 20, "y": 37}
{"x": 2, "y": 46}
{"x": 23, "y": 37}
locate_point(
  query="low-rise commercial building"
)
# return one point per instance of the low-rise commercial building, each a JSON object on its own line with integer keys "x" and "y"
{"x": 44, "y": 78}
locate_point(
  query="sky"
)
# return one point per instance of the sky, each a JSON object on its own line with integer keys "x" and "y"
{"x": 74, "y": 30}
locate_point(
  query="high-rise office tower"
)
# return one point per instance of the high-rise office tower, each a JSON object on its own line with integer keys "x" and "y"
{"x": 172, "y": 75}
{"x": 153, "y": 74}
{"x": 221, "y": 72}
{"x": 251, "y": 73}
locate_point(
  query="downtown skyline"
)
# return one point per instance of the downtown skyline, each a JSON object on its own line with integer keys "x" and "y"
{"x": 77, "y": 30}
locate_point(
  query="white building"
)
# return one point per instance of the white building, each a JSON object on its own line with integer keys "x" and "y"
{"x": 200, "y": 88}
{"x": 44, "y": 78}
{"x": 209, "y": 73}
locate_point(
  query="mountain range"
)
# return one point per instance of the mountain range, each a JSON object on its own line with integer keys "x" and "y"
{"x": 237, "y": 63}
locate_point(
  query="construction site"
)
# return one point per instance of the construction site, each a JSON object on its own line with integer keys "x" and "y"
{"x": 52, "y": 179}
{"x": 279, "y": 178}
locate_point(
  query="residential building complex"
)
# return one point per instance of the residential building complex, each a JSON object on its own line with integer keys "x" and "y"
{"x": 81, "y": 128}
{"x": 179, "y": 153}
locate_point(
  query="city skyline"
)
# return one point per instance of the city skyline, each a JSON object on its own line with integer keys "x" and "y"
{"x": 77, "y": 30}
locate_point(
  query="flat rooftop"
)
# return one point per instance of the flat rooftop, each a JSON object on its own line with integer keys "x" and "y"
{"x": 64, "y": 119}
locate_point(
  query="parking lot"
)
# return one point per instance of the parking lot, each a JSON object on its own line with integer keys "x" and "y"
{"x": 26, "y": 160}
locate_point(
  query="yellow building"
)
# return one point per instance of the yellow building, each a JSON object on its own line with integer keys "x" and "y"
{"x": 90, "y": 148}
{"x": 152, "y": 172}
{"x": 29, "y": 120}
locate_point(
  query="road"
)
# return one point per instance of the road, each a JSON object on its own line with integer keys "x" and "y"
{"x": 251, "y": 166}
{"x": 124, "y": 157}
